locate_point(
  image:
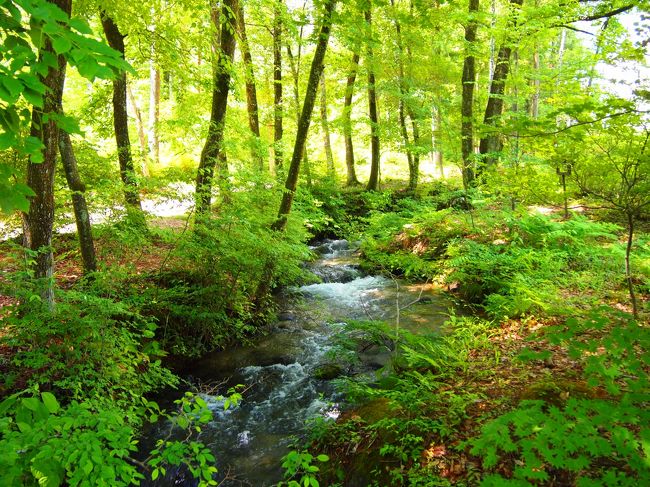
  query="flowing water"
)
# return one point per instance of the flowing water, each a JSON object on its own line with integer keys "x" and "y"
{"x": 282, "y": 370}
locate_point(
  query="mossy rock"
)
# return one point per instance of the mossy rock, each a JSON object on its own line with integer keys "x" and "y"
{"x": 328, "y": 371}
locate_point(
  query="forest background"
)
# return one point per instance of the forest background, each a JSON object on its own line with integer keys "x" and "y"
{"x": 198, "y": 146}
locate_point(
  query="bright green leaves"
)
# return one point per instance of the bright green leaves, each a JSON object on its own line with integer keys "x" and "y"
{"x": 27, "y": 27}
{"x": 13, "y": 195}
{"x": 298, "y": 469}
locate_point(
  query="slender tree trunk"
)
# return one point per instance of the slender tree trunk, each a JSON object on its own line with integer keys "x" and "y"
{"x": 294, "y": 62}
{"x": 373, "y": 181}
{"x": 121, "y": 124}
{"x": 213, "y": 143}
{"x": 251, "y": 89}
{"x": 467, "y": 104}
{"x": 141, "y": 135}
{"x": 414, "y": 164}
{"x": 412, "y": 157}
{"x": 277, "y": 84}
{"x": 347, "y": 121}
{"x": 154, "y": 112}
{"x": 82, "y": 218}
{"x": 305, "y": 118}
{"x": 491, "y": 144}
{"x": 534, "y": 99}
{"x": 331, "y": 171}
{"x": 40, "y": 175}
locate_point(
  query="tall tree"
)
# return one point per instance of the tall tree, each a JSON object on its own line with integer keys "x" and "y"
{"x": 347, "y": 121}
{"x": 81, "y": 215}
{"x": 305, "y": 117}
{"x": 40, "y": 175}
{"x": 121, "y": 122}
{"x": 412, "y": 156}
{"x": 212, "y": 150}
{"x": 251, "y": 89}
{"x": 373, "y": 180}
{"x": 277, "y": 83}
{"x": 491, "y": 143}
{"x": 467, "y": 104}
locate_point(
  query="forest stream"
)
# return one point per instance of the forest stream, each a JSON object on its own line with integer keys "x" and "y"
{"x": 287, "y": 371}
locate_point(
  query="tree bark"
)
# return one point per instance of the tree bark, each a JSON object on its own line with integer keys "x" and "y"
{"x": 294, "y": 62}
{"x": 213, "y": 143}
{"x": 491, "y": 144}
{"x": 82, "y": 218}
{"x": 347, "y": 121}
{"x": 277, "y": 84}
{"x": 40, "y": 176}
{"x": 467, "y": 104}
{"x": 331, "y": 171}
{"x": 251, "y": 89}
{"x": 373, "y": 180}
{"x": 305, "y": 117}
{"x": 121, "y": 122}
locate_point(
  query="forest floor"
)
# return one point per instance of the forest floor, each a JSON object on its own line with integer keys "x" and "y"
{"x": 492, "y": 375}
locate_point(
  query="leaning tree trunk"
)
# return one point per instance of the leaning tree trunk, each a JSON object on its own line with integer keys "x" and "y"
{"x": 628, "y": 267}
{"x": 277, "y": 84}
{"x": 347, "y": 121}
{"x": 251, "y": 89}
{"x": 305, "y": 118}
{"x": 213, "y": 142}
{"x": 491, "y": 144}
{"x": 121, "y": 123}
{"x": 373, "y": 181}
{"x": 81, "y": 216}
{"x": 331, "y": 172}
{"x": 467, "y": 104}
{"x": 294, "y": 62}
{"x": 40, "y": 175}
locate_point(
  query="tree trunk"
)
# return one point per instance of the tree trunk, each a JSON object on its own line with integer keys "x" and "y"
{"x": 277, "y": 84}
{"x": 40, "y": 175}
{"x": 121, "y": 123}
{"x": 251, "y": 89}
{"x": 294, "y": 62}
{"x": 373, "y": 181}
{"x": 412, "y": 157}
{"x": 81, "y": 216}
{"x": 305, "y": 117}
{"x": 141, "y": 135}
{"x": 154, "y": 111}
{"x": 491, "y": 144}
{"x": 467, "y": 104}
{"x": 347, "y": 121}
{"x": 331, "y": 171}
{"x": 213, "y": 142}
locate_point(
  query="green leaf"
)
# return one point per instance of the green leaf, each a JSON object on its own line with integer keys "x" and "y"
{"x": 50, "y": 402}
{"x": 61, "y": 44}
{"x": 31, "y": 403}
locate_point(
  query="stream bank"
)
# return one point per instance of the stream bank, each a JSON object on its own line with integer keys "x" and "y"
{"x": 288, "y": 372}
